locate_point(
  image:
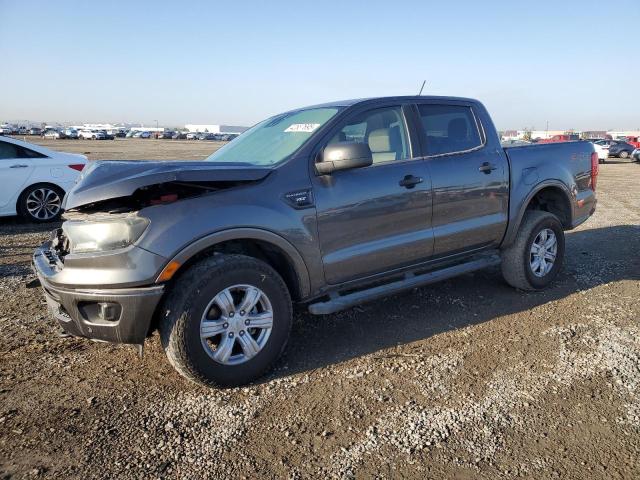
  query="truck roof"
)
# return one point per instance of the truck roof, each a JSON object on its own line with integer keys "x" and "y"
{"x": 354, "y": 101}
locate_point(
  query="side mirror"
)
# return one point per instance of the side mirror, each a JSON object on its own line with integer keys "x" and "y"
{"x": 343, "y": 156}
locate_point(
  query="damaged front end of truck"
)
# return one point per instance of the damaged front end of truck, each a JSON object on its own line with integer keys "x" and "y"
{"x": 98, "y": 282}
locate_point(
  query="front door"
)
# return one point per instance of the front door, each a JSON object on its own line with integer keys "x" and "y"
{"x": 15, "y": 169}
{"x": 376, "y": 218}
{"x": 470, "y": 180}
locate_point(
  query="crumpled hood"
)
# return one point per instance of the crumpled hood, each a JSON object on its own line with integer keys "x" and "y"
{"x": 104, "y": 180}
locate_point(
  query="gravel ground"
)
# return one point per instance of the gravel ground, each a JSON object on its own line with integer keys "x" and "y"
{"x": 467, "y": 379}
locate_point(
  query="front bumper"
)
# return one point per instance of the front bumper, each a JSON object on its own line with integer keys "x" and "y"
{"x": 121, "y": 315}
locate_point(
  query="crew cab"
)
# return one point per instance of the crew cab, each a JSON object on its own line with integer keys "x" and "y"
{"x": 327, "y": 206}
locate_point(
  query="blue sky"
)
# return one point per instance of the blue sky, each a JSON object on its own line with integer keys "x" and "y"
{"x": 575, "y": 64}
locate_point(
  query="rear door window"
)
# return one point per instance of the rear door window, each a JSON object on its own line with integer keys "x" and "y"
{"x": 449, "y": 129}
{"x": 8, "y": 150}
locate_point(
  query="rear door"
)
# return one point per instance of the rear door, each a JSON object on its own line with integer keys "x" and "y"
{"x": 470, "y": 180}
{"x": 377, "y": 218}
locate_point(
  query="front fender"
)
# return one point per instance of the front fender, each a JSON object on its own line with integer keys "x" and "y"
{"x": 213, "y": 239}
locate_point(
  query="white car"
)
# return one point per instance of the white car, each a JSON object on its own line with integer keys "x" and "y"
{"x": 92, "y": 135}
{"x": 34, "y": 179}
{"x": 602, "y": 151}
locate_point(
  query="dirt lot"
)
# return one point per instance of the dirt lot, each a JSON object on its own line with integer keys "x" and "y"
{"x": 131, "y": 148}
{"x": 464, "y": 379}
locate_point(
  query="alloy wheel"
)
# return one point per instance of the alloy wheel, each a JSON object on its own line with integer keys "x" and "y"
{"x": 43, "y": 203}
{"x": 236, "y": 324}
{"x": 543, "y": 252}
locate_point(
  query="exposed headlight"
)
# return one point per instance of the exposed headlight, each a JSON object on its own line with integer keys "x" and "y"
{"x": 104, "y": 233}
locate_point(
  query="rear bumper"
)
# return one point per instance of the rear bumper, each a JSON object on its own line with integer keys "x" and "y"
{"x": 120, "y": 315}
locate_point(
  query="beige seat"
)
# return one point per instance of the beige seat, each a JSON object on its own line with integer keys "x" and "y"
{"x": 380, "y": 145}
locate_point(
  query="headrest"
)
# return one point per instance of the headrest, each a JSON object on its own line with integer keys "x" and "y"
{"x": 379, "y": 140}
{"x": 457, "y": 129}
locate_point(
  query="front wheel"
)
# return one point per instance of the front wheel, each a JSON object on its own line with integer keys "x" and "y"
{"x": 534, "y": 259}
{"x": 226, "y": 320}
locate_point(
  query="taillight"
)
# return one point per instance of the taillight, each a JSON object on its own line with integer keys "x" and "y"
{"x": 595, "y": 167}
{"x": 77, "y": 166}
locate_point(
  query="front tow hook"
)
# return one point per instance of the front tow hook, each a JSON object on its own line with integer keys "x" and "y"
{"x": 34, "y": 283}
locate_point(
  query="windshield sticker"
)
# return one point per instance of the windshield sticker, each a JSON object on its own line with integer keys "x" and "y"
{"x": 302, "y": 127}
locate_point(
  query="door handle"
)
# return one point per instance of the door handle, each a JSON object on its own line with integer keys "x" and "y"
{"x": 487, "y": 167}
{"x": 19, "y": 165}
{"x": 409, "y": 181}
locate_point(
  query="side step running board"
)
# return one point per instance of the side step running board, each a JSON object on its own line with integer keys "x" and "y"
{"x": 340, "y": 302}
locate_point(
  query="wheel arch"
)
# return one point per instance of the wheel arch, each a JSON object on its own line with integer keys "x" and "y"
{"x": 262, "y": 244}
{"x": 37, "y": 184}
{"x": 551, "y": 196}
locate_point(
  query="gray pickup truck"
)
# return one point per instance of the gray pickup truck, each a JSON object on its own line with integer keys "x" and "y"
{"x": 326, "y": 207}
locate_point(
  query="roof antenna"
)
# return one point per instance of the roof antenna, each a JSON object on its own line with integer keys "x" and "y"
{"x": 423, "y": 83}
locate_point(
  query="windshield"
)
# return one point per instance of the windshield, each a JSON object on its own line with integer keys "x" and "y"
{"x": 274, "y": 139}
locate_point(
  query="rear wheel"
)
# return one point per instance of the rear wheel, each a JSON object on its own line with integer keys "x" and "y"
{"x": 41, "y": 203}
{"x": 226, "y": 320}
{"x": 534, "y": 259}
{"x": 623, "y": 154}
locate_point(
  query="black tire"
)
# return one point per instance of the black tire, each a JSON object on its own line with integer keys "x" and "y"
{"x": 184, "y": 306}
{"x": 24, "y": 212}
{"x": 516, "y": 259}
{"x": 623, "y": 154}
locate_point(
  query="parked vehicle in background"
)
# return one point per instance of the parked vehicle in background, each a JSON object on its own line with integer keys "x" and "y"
{"x": 621, "y": 150}
{"x": 606, "y": 144}
{"x": 572, "y": 137}
{"x": 192, "y": 135}
{"x": 107, "y": 135}
{"x": 35, "y": 131}
{"x": 120, "y": 133}
{"x": 53, "y": 133}
{"x": 635, "y": 141}
{"x": 514, "y": 143}
{"x": 328, "y": 206}
{"x": 179, "y": 136}
{"x": 207, "y": 136}
{"x": 6, "y": 130}
{"x": 71, "y": 133}
{"x": 92, "y": 135}
{"x": 636, "y": 155}
{"x": 167, "y": 134}
{"x": 23, "y": 131}
{"x": 35, "y": 179}
{"x": 130, "y": 134}
{"x": 142, "y": 134}
{"x": 602, "y": 152}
